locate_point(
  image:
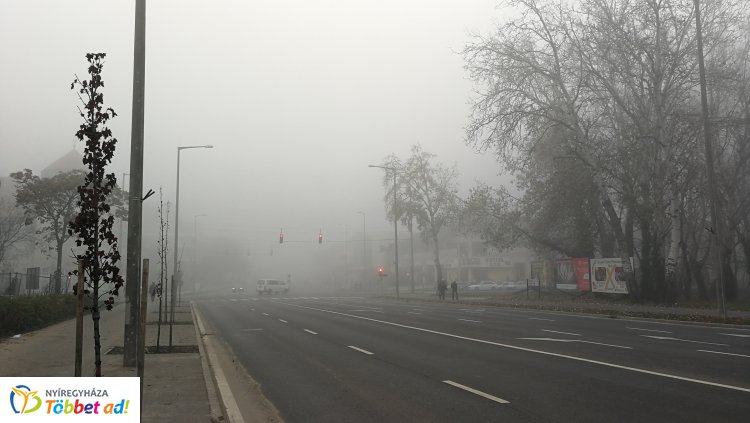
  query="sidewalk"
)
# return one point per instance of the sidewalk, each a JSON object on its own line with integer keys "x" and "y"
{"x": 175, "y": 385}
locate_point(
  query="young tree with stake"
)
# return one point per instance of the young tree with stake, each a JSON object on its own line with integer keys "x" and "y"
{"x": 93, "y": 225}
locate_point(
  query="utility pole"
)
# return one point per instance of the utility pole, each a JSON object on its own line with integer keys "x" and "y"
{"x": 712, "y": 189}
{"x": 136, "y": 189}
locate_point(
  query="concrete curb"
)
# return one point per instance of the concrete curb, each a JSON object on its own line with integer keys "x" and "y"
{"x": 221, "y": 400}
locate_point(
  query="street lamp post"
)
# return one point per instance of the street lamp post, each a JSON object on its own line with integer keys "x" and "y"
{"x": 195, "y": 250}
{"x": 364, "y": 248}
{"x": 395, "y": 219}
{"x": 177, "y": 229}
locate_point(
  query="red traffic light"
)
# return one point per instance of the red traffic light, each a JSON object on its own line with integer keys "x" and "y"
{"x": 320, "y": 237}
{"x": 381, "y": 271}
{"x": 281, "y": 237}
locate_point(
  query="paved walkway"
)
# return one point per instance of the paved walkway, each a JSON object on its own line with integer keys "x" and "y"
{"x": 175, "y": 388}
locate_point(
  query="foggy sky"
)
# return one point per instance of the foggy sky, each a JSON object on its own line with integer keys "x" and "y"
{"x": 297, "y": 97}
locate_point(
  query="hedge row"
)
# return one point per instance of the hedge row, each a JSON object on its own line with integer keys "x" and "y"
{"x": 27, "y": 313}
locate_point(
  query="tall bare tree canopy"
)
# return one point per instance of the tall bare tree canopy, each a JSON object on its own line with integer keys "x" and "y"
{"x": 595, "y": 106}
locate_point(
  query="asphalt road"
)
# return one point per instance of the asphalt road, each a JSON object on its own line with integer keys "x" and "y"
{"x": 354, "y": 359}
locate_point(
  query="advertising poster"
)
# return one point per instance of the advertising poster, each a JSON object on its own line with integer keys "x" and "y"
{"x": 608, "y": 276}
{"x": 565, "y": 275}
{"x": 581, "y": 266}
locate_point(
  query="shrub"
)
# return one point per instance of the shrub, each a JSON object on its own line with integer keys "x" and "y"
{"x": 28, "y": 313}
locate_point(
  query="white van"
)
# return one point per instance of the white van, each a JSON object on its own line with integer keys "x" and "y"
{"x": 272, "y": 286}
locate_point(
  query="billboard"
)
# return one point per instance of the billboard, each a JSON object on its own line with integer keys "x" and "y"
{"x": 581, "y": 266}
{"x": 565, "y": 275}
{"x": 608, "y": 276}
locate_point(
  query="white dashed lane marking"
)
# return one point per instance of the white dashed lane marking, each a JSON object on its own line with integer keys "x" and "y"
{"x": 563, "y": 333}
{"x": 309, "y": 331}
{"x": 724, "y": 353}
{"x": 360, "y": 350}
{"x": 649, "y": 330}
{"x": 477, "y": 392}
{"x": 669, "y": 338}
{"x": 739, "y": 335}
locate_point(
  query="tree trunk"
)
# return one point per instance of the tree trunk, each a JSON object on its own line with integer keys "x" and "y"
{"x": 687, "y": 281}
{"x": 672, "y": 262}
{"x": 58, "y": 270}
{"x": 438, "y": 268}
{"x": 730, "y": 279}
{"x": 97, "y": 339}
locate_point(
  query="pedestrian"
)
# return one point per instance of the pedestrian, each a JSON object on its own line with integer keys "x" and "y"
{"x": 454, "y": 290}
{"x": 442, "y": 287}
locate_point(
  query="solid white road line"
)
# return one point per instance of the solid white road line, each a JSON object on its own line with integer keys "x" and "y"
{"x": 539, "y": 318}
{"x": 360, "y": 350}
{"x": 724, "y": 353}
{"x": 309, "y": 331}
{"x": 474, "y": 391}
{"x": 669, "y": 338}
{"x": 649, "y": 330}
{"x": 563, "y": 333}
{"x": 531, "y": 350}
{"x": 736, "y": 334}
{"x": 283, "y": 321}
{"x": 232, "y": 412}
{"x": 577, "y": 340}
{"x": 468, "y": 320}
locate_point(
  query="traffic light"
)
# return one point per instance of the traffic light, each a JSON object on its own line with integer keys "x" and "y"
{"x": 281, "y": 236}
{"x": 381, "y": 271}
{"x": 320, "y": 237}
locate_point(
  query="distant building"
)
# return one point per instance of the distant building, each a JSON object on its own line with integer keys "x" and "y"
{"x": 70, "y": 161}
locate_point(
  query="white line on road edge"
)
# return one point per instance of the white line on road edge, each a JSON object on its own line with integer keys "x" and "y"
{"x": 725, "y": 353}
{"x": 283, "y": 321}
{"x": 669, "y": 338}
{"x": 563, "y": 333}
{"x": 649, "y": 330}
{"x": 539, "y": 318}
{"x": 309, "y": 331}
{"x": 514, "y": 347}
{"x": 360, "y": 350}
{"x": 474, "y": 391}
{"x": 735, "y": 334}
{"x": 231, "y": 409}
{"x": 472, "y": 321}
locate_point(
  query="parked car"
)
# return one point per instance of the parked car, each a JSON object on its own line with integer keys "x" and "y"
{"x": 484, "y": 286}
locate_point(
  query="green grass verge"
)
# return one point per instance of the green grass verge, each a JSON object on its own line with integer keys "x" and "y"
{"x": 27, "y": 313}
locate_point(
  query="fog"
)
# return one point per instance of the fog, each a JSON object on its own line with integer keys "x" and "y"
{"x": 297, "y": 98}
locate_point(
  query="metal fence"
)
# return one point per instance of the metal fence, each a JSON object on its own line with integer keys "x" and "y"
{"x": 30, "y": 283}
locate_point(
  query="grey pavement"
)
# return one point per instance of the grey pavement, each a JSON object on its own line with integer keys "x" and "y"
{"x": 177, "y": 386}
